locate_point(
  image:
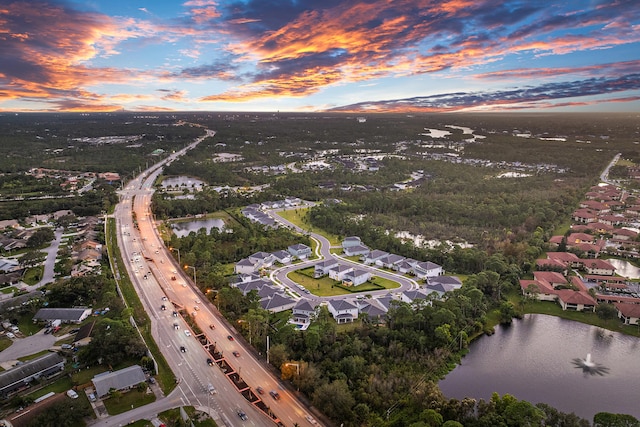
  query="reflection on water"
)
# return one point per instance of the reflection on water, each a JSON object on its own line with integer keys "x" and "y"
{"x": 532, "y": 360}
{"x": 625, "y": 268}
{"x": 182, "y": 229}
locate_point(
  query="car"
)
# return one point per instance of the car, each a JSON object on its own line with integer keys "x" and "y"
{"x": 66, "y": 346}
{"x": 209, "y": 361}
{"x": 260, "y": 390}
{"x": 211, "y": 389}
{"x": 151, "y": 380}
{"x": 187, "y": 332}
{"x": 175, "y": 314}
{"x": 182, "y": 349}
{"x": 176, "y": 326}
{"x": 197, "y": 301}
{"x": 229, "y": 337}
{"x": 164, "y": 298}
{"x": 212, "y": 326}
{"x": 92, "y": 397}
{"x": 275, "y": 394}
{"x": 174, "y": 271}
{"x": 196, "y": 308}
{"x": 163, "y": 307}
{"x": 242, "y": 415}
{"x": 184, "y": 285}
{"x": 311, "y": 420}
{"x": 236, "y": 353}
{"x": 173, "y": 277}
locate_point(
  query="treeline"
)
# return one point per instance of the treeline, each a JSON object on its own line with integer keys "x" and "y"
{"x": 94, "y": 202}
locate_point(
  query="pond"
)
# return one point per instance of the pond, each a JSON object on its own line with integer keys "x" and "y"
{"x": 183, "y": 228}
{"x": 625, "y": 268}
{"x": 181, "y": 183}
{"x": 532, "y": 360}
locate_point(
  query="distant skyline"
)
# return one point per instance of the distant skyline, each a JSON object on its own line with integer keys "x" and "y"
{"x": 311, "y": 55}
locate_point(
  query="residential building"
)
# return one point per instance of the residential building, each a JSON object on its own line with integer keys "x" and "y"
{"x": 343, "y": 311}
{"x": 121, "y": 380}
{"x": 21, "y": 376}
{"x": 64, "y": 315}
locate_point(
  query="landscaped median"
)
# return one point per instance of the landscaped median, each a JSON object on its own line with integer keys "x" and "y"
{"x": 166, "y": 378}
{"x": 326, "y": 287}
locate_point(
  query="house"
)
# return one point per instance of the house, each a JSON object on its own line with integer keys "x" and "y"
{"x": 356, "y": 277}
{"x": 351, "y": 241}
{"x": 373, "y": 310}
{"x": 8, "y": 265}
{"x": 576, "y": 300}
{"x": 9, "y": 223}
{"x": 300, "y": 251}
{"x": 569, "y": 259}
{"x": 303, "y": 313}
{"x": 413, "y": 295}
{"x": 447, "y": 283}
{"x": 322, "y": 268}
{"x": 541, "y": 290}
{"x": 244, "y": 266}
{"x": 19, "y": 377}
{"x": 599, "y": 267}
{"x": 389, "y": 261}
{"x": 629, "y": 313}
{"x": 343, "y": 311}
{"x": 83, "y": 336}
{"x": 356, "y": 250}
{"x": 624, "y": 234}
{"x": 553, "y": 278}
{"x": 338, "y": 272}
{"x": 277, "y": 302}
{"x": 283, "y": 257}
{"x": 262, "y": 259}
{"x": 373, "y": 256}
{"x": 64, "y": 315}
{"x": 405, "y": 266}
{"x": 426, "y": 269}
{"x": 121, "y": 380}
{"x": 584, "y": 216}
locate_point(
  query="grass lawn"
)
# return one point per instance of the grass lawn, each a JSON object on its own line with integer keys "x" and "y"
{"x": 33, "y": 275}
{"x": 26, "y": 325}
{"x": 295, "y": 216}
{"x": 34, "y": 355}
{"x": 128, "y": 400}
{"x": 5, "y": 343}
{"x": 380, "y": 281}
{"x": 8, "y": 290}
{"x": 84, "y": 376}
{"x": 172, "y": 416}
{"x": 61, "y": 385}
{"x": 323, "y": 287}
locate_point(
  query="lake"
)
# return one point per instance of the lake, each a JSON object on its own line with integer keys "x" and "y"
{"x": 183, "y": 228}
{"x": 531, "y": 360}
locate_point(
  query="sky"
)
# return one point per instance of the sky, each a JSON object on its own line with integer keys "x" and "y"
{"x": 320, "y": 55}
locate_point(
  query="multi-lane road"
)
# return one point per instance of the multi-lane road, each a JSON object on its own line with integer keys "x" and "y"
{"x": 165, "y": 287}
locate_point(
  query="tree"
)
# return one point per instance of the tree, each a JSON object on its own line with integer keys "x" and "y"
{"x": 32, "y": 258}
{"x": 40, "y": 237}
{"x": 335, "y": 400}
{"x": 606, "y": 311}
{"x": 607, "y": 419}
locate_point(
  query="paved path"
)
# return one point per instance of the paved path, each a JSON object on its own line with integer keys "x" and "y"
{"x": 26, "y": 346}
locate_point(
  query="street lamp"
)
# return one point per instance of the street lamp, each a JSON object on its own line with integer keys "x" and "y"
{"x": 195, "y": 282}
{"x": 178, "y": 250}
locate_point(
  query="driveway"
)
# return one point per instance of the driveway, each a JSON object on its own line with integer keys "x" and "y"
{"x": 26, "y": 346}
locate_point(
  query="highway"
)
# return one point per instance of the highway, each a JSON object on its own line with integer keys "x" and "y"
{"x": 164, "y": 287}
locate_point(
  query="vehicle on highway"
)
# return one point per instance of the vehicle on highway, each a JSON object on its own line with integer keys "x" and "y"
{"x": 212, "y": 326}
{"x": 211, "y": 389}
{"x": 242, "y": 415}
{"x": 275, "y": 394}
{"x": 260, "y": 390}
{"x": 173, "y": 277}
{"x": 163, "y": 307}
{"x": 209, "y": 361}
{"x": 164, "y": 298}
{"x": 236, "y": 353}
{"x": 182, "y": 349}
{"x": 310, "y": 419}
{"x": 197, "y": 301}
{"x": 229, "y": 337}
{"x": 196, "y": 308}
{"x": 175, "y": 314}
{"x": 187, "y": 332}
{"x": 176, "y": 326}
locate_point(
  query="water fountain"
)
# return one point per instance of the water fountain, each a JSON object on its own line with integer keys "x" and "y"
{"x": 589, "y": 366}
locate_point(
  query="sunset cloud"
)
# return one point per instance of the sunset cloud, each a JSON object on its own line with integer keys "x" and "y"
{"x": 58, "y": 54}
